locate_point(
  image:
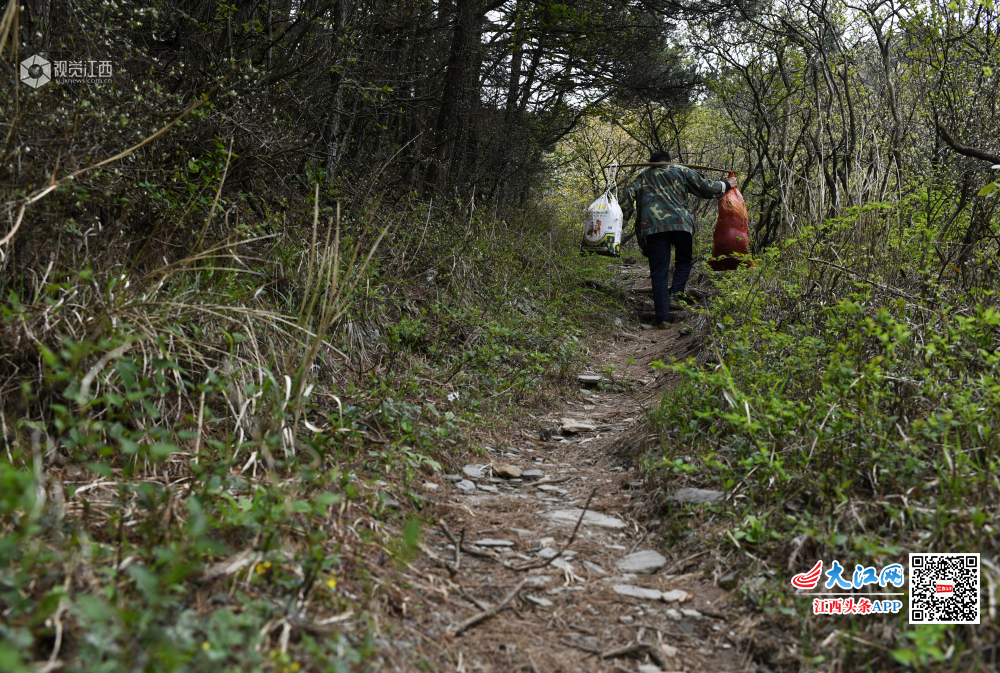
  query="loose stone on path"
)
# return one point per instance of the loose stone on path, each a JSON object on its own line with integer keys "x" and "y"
{"x": 644, "y": 562}
{"x": 493, "y": 542}
{"x": 508, "y": 471}
{"x": 465, "y": 485}
{"x": 572, "y": 426}
{"x": 539, "y": 601}
{"x": 473, "y": 471}
{"x": 572, "y": 515}
{"x": 697, "y": 496}
{"x": 637, "y": 592}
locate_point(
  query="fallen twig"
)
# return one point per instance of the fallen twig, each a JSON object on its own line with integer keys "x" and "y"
{"x": 447, "y": 565}
{"x": 486, "y": 614}
{"x": 456, "y": 543}
{"x": 637, "y": 648}
{"x": 550, "y": 480}
{"x": 461, "y": 546}
{"x": 472, "y": 599}
{"x": 581, "y": 646}
{"x": 638, "y": 542}
{"x": 677, "y": 565}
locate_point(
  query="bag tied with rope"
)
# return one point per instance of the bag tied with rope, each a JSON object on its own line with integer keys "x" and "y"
{"x": 732, "y": 233}
{"x": 602, "y": 229}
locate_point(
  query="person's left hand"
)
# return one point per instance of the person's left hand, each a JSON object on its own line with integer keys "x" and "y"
{"x": 730, "y": 183}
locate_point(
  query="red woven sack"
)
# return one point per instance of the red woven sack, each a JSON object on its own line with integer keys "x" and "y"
{"x": 732, "y": 233}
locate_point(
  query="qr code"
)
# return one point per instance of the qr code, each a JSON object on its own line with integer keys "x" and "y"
{"x": 944, "y": 588}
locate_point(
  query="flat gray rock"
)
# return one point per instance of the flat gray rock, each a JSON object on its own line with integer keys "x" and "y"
{"x": 473, "y": 471}
{"x": 488, "y": 488}
{"x": 572, "y": 515}
{"x": 452, "y": 477}
{"x": 637, "y": 592}
{"x": 697, "y": 496}
{"x": 465, "y": 485}
{"x": 692, "y": 614}
{"x": 673, "y": 614}
{"x": 532, "y": 475}
{"x": 538, "y": 580}
{"x": 572, "y": 426}
{"x": 644, "y": 562}
{"x": 547, "y": 553}
{"x": 594, "y": 568}
{"x": 549, "y": 488}
{"x": 493, "y": 542}
{"x": 539, "y": 601}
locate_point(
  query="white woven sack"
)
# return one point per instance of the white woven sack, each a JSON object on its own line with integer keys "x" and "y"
{"x": 602, "y": 230}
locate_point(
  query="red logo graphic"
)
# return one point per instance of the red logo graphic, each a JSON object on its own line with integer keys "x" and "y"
{"x": 810, "y": 579}
{"x": 944, "y": 588}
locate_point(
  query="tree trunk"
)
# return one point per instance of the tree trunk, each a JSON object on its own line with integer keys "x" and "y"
{"x": 454, "y": 95}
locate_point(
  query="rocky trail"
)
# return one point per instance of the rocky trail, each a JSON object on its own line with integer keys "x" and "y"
{"x": 547, "y": 557}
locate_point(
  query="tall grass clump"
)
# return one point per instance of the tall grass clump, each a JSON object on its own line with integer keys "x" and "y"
{"x": 212, "y": 416}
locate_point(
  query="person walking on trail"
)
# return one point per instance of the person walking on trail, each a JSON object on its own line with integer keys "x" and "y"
{"x": 659, "y": 196}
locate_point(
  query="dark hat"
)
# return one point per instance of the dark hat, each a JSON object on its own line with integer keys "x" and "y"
{"x": 658, "y": 156}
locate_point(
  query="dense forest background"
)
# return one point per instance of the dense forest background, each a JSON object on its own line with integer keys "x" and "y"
{"x": 291, "y": 253}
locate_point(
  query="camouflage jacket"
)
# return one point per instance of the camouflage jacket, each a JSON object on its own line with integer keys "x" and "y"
{"x": 663, "y": 191}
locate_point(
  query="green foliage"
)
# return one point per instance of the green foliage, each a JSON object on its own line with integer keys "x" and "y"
{"x": 186, "y": 437}
{"x": 858, "y": 420}
{"x": 923, "y": 646}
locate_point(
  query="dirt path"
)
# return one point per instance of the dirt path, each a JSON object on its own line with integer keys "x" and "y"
{"x": 567, "y": 615}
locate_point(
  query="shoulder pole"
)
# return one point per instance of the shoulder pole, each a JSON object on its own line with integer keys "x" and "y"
{"x": 671, "y": 163}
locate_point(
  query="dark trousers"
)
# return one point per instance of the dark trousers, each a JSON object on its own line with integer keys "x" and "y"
{"x": 658, "y": 248}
